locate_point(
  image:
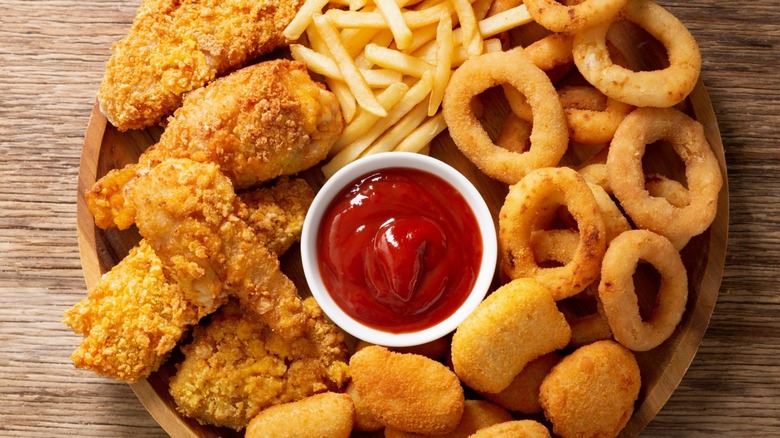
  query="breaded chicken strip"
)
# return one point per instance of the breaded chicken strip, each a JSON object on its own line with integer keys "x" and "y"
{"x": 135, "y": 315}
{"x": 189, "y": 214}
{"x": 257, "y": 123}
{"x": 177, "y": 46}
{"x": 236, "y": 366}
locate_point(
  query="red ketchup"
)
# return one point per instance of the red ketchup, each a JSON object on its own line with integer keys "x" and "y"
{"x": 399, "y": 249}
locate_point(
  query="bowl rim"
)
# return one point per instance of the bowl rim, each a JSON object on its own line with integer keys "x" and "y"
{"x": 348, "y": 174}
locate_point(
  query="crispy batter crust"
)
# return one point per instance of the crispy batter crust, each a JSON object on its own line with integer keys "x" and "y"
{"x": 177, "y": 46}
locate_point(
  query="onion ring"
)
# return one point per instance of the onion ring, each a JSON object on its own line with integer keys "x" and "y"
{"x": 645, "y": 126}
{"x": 592, "y": 117}
{"x": 618, "y": 296}
{"x": 536, "y": 192}
{"x": 551, "y": 54}
{"x": 549, "y": 137}
{"x": 658, "y": 88}
{"x": 561, "y": 18}
{"x": 662, "y": 187}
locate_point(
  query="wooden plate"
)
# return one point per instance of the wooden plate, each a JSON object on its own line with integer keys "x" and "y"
{"x": 662, "y": 368}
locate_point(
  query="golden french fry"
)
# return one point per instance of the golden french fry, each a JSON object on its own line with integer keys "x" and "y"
{"x": 395, "y": 20}
{"x": 421, "y": 138}
{"x": 416, "y": 94}
{"x": 390, "y": 139}
{"x": 395, "y": 60}
{"x": 382, "y": 39}
{"x": 321, "y": 64}
{"x": 441, "y": 76}
{"x": 472, "y": 38}
{"x": 365, "y": 120}
{"x": 354, "y": 80}
{"x": 303, "y": 18}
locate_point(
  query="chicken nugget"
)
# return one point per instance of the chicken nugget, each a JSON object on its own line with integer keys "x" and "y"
{"x": 514, "y": 429}
{"x": 514, "y": 325}
{"x": 522, "y": 395}
{"x": 365, "y": 421}
{"x": 592, "y": 391}
{"x": 407, "y": 391}
{"x": 326, "y": 415}
{"x": 477, "y": 414}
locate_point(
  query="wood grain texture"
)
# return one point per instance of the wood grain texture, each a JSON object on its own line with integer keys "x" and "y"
{"x": 51, "y": 57}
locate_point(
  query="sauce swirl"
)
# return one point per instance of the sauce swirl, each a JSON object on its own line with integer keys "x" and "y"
{"x": 399, "y": 249}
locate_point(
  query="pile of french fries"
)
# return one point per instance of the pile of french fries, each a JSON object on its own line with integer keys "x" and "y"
{"x": 389, "y": 62}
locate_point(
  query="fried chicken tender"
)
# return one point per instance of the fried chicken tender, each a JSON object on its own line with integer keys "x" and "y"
{"x": 135, "y": 315}
{"x": 177, "y": 46}
{"x": 257, "y": 123}
{"x": 131, "y": 319}
{"x": 187, "y": 211}
{"x": 326, "y": 415}
{"x": 237, "y": 366}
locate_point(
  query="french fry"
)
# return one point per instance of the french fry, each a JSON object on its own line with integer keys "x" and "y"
{"x": 390, "y": 139}
{"x": 421, "y": 137}
{"x": 414, "y": 96}
{"x": 382, "y": 39}
{"x": 395, "y": 60}
{"x": 472, "y": 38}
{"x": 354, "y": 80}
{"x": 443, "y": 62}
{"x": 322, "y": 64}
{"x": 303, "y": 18}
{"x": 365, "y": 120}
{"x": 395, "y": 20}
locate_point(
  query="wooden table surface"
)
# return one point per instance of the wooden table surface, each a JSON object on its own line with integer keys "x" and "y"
{"x": 52, "y": 53}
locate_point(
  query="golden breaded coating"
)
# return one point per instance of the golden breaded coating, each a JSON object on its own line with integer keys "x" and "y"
{"x": 407, "y": 391}
{"x": 131, "y": 319}
{"x": 514, "y": 429}
{"x": 365, "y": 421}
{"x": 177, "y": 46}
{"x": 512, "y": 326}
{"x": 327, "y": 415}
{"x": 187, "y": 211}
{"x": 477, "y": 414}
{"x": 592, "y": 391}
{"x": 257, "y": 123}
{"x": 237, "y": 366}
{"x": 276, "y": 213}
{"x": 522, "y": 395}
{"x": 134, "y": 315}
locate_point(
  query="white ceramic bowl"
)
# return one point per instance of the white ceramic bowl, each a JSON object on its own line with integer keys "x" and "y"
{"x": 347, "y": 175}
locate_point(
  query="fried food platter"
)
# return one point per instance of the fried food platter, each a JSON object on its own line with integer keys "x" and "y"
{"x": 662, "y": 368}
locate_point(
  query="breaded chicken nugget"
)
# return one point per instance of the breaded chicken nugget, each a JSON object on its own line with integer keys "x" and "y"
{"x": 522, "y": 395}
{"x": 477, "y": 414}
{"x": 365, "y": 421}
{"x": 326, "y": 415}
{"x": 237, "y": 366}
{"x": 407, "y": 391}
{"x": 591, "y": 392}
{"x": 514, "y": 429}
{"x": 514, "y": 325}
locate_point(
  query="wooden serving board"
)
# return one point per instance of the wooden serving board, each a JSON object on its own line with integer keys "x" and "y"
{"x": 662, "y": 368}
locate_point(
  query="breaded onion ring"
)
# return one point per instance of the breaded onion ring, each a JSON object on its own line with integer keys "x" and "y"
{"x": 617, "y": 294}
{"x": 662, "y": 187}
{"x": 592, "y": 117}
{"x": 591, "y": 392}
{"x": 511, "y": 327}
{"x": 549, "y": 137}
{"x": 657, "y": 88}
{"x": 552, "y": 54}
{"x": 643, "y": 127}
{"x": 562, "y": 18}
{"x": 536, "y": 192}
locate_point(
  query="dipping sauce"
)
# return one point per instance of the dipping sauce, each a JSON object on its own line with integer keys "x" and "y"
{"x": 399, "y": 249}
